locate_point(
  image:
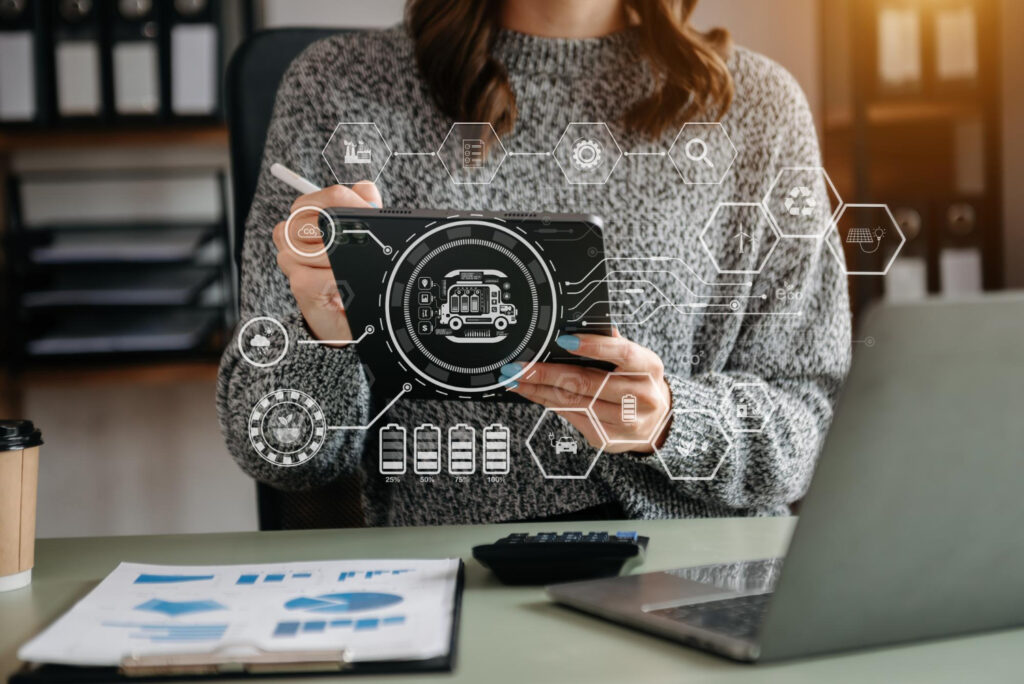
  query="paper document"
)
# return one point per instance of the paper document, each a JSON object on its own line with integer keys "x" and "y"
{"x": 373, "y": 609}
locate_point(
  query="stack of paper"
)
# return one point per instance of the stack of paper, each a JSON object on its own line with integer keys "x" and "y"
{"x": 374, "y": 610}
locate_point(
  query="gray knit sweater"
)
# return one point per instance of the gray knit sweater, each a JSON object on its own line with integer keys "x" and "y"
{"x": 797, "y": 345}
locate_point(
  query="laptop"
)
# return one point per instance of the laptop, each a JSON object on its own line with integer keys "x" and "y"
{"x": 913, "y": 527}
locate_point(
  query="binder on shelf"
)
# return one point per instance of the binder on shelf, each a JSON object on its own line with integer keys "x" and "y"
{"x": 19, "y": 47}
{"x": 960, "y": 261}
{"x": 192, "y": 59}
{"x": 907, "y": 279}
{"x": 135, "y": 57}
{"x": 78, "y": 60}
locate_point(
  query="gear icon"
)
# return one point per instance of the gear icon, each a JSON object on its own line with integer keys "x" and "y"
{"x": 586, "y": 154}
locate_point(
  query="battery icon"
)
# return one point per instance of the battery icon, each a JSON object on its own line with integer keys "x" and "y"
{"x": 497, "y": 457}
{"x": 461, "y": 450}
{"x": 392, "y": 449}
{"x": 426, "y": 450}
{"x": 629, "y": 408}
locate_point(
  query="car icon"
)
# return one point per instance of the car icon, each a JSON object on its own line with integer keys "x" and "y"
{"x": 566, "y": 445}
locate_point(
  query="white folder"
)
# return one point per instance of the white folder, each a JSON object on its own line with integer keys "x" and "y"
{"x": 17, "y": 76}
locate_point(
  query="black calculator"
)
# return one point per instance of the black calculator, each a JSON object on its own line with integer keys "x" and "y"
{"x": 549, "y": 557}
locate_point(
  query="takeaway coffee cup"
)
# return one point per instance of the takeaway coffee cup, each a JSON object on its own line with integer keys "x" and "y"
{"x": 19, "y": 477}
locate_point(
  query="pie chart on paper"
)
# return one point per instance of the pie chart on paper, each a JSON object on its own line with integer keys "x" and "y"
{"x": 343, "y": 603}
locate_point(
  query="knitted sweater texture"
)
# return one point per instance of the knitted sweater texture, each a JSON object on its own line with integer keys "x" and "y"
{"x": 789, "y": 336}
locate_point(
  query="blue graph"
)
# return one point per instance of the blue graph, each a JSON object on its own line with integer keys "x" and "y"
{"x": 176, "y": 608}
{"x": 253, "y": 578}
{"x": 343, "y": 603}
{"x": 369, "y": 574}
{"x": 290, "y": 629}
{"x": 146, "y": 578}
{"x": 171, "y": 633}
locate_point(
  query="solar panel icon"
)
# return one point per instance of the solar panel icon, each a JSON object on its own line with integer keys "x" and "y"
{"x": 392, "y": 447}
{"x": 497, "y": 450}
{"x": 867, "y": 239}
{"x": 461, "y": 450}
{"x": 859, "y": 236}
{"x": 426, "y": 450}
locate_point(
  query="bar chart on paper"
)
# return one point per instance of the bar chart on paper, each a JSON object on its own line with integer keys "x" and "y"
{"x": 280, "y": 577}
{"x": 289, "y": 628}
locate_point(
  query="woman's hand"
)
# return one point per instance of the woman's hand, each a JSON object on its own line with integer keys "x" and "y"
{"x": 638, "y": 372}
{"x": 312, "y": 281}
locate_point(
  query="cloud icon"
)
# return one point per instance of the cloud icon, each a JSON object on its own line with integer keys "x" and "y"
{"x": 260, "y": 341}
{"x": 310, "y": 231}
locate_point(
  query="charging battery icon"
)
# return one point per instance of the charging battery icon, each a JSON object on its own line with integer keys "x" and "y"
{"x": 628, "y": 412}
{"x": 392, "y": 449}
{"x": 426, "y": 450}
{"x": 497, "y": 456}
{"x": 461, "y": 450}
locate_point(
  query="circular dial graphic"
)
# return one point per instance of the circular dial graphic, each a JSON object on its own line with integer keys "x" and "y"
{"x": 466, "y": 298}
{"x": 287, "y": 427}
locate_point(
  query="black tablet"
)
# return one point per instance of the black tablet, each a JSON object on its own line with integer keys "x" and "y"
{"x": 439, "y": 302}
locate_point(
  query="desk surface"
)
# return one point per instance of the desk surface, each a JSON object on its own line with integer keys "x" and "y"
{"x": 515, "y": 634}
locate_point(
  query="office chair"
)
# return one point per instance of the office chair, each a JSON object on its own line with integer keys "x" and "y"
{"x": 252, "y": 78}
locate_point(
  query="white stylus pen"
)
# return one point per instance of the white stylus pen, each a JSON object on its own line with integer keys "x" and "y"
{"x": 303, "y": 185}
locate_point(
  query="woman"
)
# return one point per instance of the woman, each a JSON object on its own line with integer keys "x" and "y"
{"x": 530, "y": 67}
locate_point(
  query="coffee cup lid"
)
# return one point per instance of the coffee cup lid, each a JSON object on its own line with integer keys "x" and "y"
{"x": 19, "y": 434}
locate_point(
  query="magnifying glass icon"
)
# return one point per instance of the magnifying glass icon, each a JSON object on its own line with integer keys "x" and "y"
{"x": 697, "y": 151}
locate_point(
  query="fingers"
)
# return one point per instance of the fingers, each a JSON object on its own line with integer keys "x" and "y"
{"x": 336, "y": 196}
{"x": 552, "y": 397}
{"x": 368, "y": 191}
{"x": 587, "y": 382}
{"x": 572, "y": 379}
{"x": 301, "y": 245}
{"x": 308, "y": 284}
{"x": 626, "y": 355}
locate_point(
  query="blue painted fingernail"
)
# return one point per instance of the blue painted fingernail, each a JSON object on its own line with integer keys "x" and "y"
{"x": 570, "y": 342}
{"x": 512, "y": 385}
{"x": 511, "y": 369}
{"x": 374, "y": 205}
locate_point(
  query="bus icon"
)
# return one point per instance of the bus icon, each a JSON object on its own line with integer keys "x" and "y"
{"x": 477, "y": 299}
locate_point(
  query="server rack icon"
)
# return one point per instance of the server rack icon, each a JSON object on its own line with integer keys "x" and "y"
{"x": 497, "y": 450}
{"x": 461, "y": 450}
{"x": 392, "y": 449}
{"x": 426, "y": 450}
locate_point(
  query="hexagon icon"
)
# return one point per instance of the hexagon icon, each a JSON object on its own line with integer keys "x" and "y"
{"x": 871, "y": 237}
{"x": 623, "y": 409}
{"x": 356, "y": 151}
{"x": 748, "y": 407}
{"x": 702, "y": 153}
{"x": 793, "y": 198}
{"x": 471, "y": 153}
{"x": 739, "y": 237}
{"x": 587, "y": 153}
{"x": 698, "y": 423}
{"x": 558, "y": 449}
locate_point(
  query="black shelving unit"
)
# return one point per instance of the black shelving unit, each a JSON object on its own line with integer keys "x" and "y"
{"x": 117, "y": 291}
{"x": 903, "y": 144}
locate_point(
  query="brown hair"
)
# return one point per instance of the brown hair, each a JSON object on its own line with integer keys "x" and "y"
{"x": 454, "y": 40}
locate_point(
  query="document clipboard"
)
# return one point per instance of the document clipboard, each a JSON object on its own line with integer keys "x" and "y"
{"x": 215, "y": 664}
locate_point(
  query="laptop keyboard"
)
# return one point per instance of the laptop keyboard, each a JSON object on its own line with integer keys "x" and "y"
{"x": 739, "y": 617}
